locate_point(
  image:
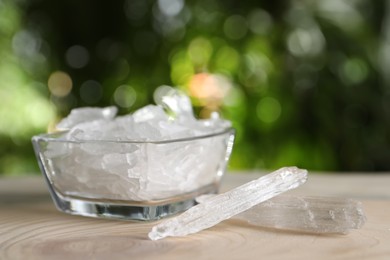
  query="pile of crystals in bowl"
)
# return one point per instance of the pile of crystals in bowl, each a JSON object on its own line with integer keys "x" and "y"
{"x": 154, "y": 153}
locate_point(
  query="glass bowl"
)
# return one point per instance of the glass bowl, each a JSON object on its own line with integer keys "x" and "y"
{"x": 134, "y": 180}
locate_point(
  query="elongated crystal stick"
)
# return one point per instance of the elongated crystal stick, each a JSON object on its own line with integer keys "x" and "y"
{"x": 307, "y": 214}
{"x": 231, "y": 203}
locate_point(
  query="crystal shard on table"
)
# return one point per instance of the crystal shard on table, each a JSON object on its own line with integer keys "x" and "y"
{"x": 307, "y": 214}
{"x": 320, "y": 215}
{"x": 231, "y": 203}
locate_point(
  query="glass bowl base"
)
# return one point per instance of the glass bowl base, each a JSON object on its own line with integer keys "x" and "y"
{"x": 128, "y": 210}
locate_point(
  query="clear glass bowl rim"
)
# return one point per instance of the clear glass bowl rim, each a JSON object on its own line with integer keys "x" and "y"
{"x": 56, "y": 137}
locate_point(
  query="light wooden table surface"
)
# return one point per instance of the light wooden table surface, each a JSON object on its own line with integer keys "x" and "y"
{"x": 31, "y": 228}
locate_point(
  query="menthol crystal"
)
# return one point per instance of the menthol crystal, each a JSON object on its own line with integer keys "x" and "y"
{"x": 322, "y": 215}
{"x": 81, "y": 115}
{"x": 154, "y": 153}
{"x": 231, "y": 203}
{"x": 171, "y": 119}
{"x": 307, "y": 214}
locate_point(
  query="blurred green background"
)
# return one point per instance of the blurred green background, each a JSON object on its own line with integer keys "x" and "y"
{"x": 305, "y": 83}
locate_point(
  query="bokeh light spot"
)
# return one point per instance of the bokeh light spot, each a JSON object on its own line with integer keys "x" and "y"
{"x": 306, "y": 42}
{"x": 259, "y": 21}
{"x": 235, "y": 27}
{"x": 227, "y": 59}
{"x": 77, "y": 56}
{"x": 343, "y": 14}
{"x": 26, "y": 43}
{"x": 256, "y": 72}
{"x": 268, "y": 109}
{"x": 200, "y": 50}
{"x": 353, "y": 71}
{"x": 209, "y": 88}
{"x": 234, "y": 98}
{"x": 91, "y": 92}
{"x": 125, "y": 96}
{"x": 170, "y": 7}
{"x": 60, "y": 83}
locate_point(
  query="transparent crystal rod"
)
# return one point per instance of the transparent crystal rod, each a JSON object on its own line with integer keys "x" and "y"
{"x": 307, "y": 214}
{"x": 231, "y": 203}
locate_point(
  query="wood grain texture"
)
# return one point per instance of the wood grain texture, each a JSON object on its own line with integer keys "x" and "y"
{"x": 31, "y": 228}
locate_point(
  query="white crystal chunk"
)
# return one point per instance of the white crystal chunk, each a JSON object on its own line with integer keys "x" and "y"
{"x": 149, "y": 123}
{"x": 320, "y": 215}
{"x": 85, "y": 114}
{"x": 150, "y": 113}
{"x": 231, "y": 203}
{"x": 307, "y": 214}
{"x": 177, "y": 103}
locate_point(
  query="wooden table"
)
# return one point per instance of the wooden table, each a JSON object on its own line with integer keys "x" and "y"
{"x": 31, "y": 228}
